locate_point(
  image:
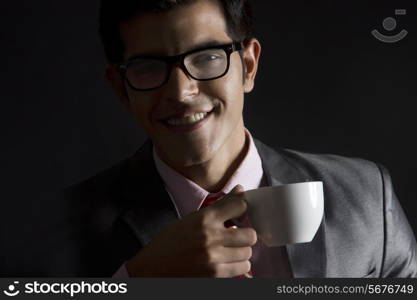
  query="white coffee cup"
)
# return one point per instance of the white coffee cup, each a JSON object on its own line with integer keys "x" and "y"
{"x": 286, "y": 214}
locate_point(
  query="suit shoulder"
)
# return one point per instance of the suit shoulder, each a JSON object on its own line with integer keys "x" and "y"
{"x": 332, "y": 164}
{"x": 329, "y": 162}
{"x": 341, "y": 170}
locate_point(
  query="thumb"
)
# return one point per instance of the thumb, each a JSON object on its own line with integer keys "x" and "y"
{"x": 238, "y": 220}
{"x": 237, "y": 189}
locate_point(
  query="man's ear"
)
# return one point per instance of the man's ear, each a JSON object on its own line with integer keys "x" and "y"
{"x": 251, "y": 54}
{"x": 117, "y": 83}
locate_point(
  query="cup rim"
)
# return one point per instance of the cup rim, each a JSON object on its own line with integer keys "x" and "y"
{"x": 286, "y": 184}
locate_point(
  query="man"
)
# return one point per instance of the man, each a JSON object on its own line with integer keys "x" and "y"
{"x": 181, "y": 68}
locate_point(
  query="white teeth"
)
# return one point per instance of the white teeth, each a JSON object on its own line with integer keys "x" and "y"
{"x": 187, "y": 120}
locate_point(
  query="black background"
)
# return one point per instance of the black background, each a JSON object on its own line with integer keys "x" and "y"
{"x": 325, "y": 84}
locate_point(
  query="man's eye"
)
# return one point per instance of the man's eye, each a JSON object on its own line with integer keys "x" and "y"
{"x": 206, "y": 58}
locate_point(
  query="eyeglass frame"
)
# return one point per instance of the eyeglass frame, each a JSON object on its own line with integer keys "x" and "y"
{"x": 171, "y": 61}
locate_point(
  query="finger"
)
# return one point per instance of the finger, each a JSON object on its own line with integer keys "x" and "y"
{"x": 237, "y": 189}
{"x": 239, "y": 221}
{"x": 234, "y": 254}
{"x": 230, "y": 206}
{"x": 239, "y": 237}
{"x": 233, "y": 269}
{"x": 244, "y": 218}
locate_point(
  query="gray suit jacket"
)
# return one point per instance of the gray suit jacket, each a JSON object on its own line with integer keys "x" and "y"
{"x": 364, "y": 232}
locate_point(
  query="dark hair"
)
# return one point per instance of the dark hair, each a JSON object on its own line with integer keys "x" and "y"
{"x": 238, "y": 16}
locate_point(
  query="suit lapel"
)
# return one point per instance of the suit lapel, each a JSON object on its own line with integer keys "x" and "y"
{"x": 151, "y": 208}
{"x": 306, "y": 259}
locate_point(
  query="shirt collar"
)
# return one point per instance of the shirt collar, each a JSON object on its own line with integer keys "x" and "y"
{"x": 188, "y": 196}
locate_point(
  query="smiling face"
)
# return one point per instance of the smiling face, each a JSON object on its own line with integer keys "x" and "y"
{"x": 163, "y": 112}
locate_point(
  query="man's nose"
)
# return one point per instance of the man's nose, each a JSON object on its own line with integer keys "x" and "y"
{"x": 180, "y": 86}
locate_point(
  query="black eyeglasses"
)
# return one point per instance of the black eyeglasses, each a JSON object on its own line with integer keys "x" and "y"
{"x": 148, "y": 73}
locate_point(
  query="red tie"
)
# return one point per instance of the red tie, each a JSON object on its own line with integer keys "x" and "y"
{"x": 210, "y": 200}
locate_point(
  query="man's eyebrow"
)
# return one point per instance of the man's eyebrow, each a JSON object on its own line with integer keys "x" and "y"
{"x": 202, "y": 45}
{"x": 208, "y": 44}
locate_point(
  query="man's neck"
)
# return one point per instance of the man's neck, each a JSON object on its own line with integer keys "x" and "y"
{"x": 213, "y": 174}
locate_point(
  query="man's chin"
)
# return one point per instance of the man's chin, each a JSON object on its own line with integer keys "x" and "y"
{"x": 187, "y": 154}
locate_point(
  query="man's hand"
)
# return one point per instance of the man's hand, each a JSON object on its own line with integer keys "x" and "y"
{"x": 199, "y": 245}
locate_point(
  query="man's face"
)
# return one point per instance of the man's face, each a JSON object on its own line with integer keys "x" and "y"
{"x": 172, "y": 33}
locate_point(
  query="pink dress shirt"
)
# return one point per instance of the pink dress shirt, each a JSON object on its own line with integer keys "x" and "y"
{"x": 187, "y": 197}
